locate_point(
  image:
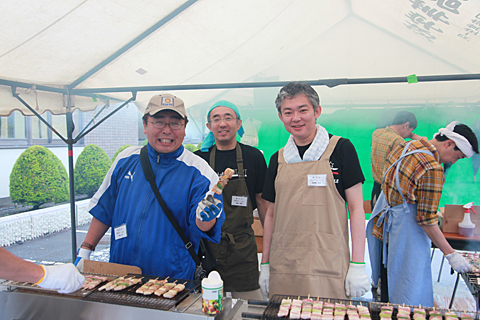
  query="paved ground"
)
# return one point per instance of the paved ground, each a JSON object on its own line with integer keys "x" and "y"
{"x": 57, "y": 247}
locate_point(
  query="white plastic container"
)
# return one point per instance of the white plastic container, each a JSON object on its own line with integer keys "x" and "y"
{"x": 212, "y": 293}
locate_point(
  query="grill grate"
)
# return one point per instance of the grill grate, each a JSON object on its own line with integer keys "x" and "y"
{"x": 34, "y": 288}
{"x": 130, "y": 298}
{"x": 271, "y": 311}
{"x": 474, "y": 280}
{"x": 376, "y": 306}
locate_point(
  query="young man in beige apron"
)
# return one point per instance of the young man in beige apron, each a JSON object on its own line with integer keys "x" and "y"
{"x": 237, "y": 251}
{"x": 308, "y": 183}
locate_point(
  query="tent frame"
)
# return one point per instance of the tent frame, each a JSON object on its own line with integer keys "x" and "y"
{"x": 70, "y": 92}
{"x": 70, "y": 141}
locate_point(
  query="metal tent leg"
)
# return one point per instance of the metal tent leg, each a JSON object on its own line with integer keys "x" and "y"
{"x": 73, "y": 220}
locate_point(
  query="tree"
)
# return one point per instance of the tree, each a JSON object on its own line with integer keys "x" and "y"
{"x": 190, "y": 147}
{"x": 38, "y": 177}
{"x": 120, "y": 150}
{"x": 90, "y": 168}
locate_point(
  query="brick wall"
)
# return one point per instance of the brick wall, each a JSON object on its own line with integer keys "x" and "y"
{"x": 116, "y": 131}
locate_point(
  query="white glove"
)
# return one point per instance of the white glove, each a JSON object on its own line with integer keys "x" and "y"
{"x": 356, "y": 282}
{"x": 64, "y": 278}
{"x": 82, "y": 255}
{"x": 458, "y": 263}
{"x": 209, "y": 208}
{"x": 264, "y": 279}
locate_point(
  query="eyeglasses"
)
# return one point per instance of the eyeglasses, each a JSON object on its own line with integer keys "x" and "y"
{"x": 172, "y": 125}
{"x": 226, "y": 119}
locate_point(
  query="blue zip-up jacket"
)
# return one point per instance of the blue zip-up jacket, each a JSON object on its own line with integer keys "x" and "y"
{"x": 126, "y": 198}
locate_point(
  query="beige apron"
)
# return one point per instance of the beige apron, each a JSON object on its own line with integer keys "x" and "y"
{"x": 237, "y": 251}
{"x": 309, "y": 252}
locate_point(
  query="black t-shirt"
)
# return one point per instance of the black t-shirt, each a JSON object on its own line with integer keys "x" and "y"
{"x": 343, "y": 162}
{"x": 254, "y": 166}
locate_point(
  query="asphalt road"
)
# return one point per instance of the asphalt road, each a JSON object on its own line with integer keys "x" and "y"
{"x": 57, "y": 247}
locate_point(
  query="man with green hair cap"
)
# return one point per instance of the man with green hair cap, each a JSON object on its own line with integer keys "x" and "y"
{"x": 237, "y": 251}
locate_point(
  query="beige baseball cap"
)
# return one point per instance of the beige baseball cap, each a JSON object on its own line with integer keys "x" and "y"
{"x": 166, "y": 102}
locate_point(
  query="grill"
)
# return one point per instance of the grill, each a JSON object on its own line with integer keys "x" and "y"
{"x": 130, "y": 298}
{"x": 474, "y": 280}
{"x": 376, "y": 306}
{"x": 273, "y": 306}
{"x": 32, "y": 287}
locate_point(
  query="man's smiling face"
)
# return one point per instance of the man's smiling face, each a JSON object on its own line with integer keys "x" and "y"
{"x": 224, "y": 124}
{"x": 299, "y": 116}
{"x": 164, "y": 140}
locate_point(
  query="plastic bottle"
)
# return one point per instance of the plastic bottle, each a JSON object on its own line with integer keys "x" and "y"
{"x": 212, "y": 293}
{"x": 466, "y": 228}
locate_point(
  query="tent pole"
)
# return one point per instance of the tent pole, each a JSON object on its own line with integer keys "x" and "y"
{"x": 70, "y": 128}
{"x": 85, "y": 132}
{"x": 16, "y": 95}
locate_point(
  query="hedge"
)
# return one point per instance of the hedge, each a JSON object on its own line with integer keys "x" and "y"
{"x": 90, "y": 168}
{"x": 38, "y": 177}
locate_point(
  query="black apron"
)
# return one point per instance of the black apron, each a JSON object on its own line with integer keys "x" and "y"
{"x": 237, "y": 251}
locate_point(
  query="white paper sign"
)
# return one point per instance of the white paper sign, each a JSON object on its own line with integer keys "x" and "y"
{"x": 120, "y": 231}
{"x": 239, "y": 201}
{"x": 317, "y": 180}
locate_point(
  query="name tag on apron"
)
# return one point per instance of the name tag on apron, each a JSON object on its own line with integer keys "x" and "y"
{"x": 239, "y": 201}
{"x": 120, "y": 231}
{"x": 317, "y": 180}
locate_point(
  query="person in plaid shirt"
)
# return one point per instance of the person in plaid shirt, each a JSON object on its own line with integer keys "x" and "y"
{"x": 404, "y": 221}
{"x": 384, "y": 140}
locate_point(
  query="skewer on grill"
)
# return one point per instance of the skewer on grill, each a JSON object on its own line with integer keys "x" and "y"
{"x": 146, "y": 286}
{"x": 174, "y": 291}
{"x": 120, "y": 284}
{"x": 92, "y": 281}
{"x": 170, "y": 294}
{"x": 151, "y": 286}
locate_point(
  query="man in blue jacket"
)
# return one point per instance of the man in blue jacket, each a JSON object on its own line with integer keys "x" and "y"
{"x": 141, "y": 233}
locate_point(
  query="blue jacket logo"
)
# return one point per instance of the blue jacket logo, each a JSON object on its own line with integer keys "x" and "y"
{"x": 129, "y": 175}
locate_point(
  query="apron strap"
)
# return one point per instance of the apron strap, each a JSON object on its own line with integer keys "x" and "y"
{"x": 387, "y": 223}
{"x": 212, "y": 156}
{"x": 241, "y": 172}
{"x": 239, "y": 160}
{"x": 397, "y": 163}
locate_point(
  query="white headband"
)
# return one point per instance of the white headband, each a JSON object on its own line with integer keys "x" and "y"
{"x": 461, "y": 142}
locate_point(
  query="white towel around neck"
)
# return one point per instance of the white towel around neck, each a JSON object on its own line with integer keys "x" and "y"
{"x": 314, "y": 152}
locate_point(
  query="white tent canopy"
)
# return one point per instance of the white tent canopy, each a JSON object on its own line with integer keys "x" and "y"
{"x": 61, "y": 55}
{"x": 92, "y": 45}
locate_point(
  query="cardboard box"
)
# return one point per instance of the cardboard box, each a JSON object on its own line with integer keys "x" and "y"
{"x": 108, "y": 268}
{"x": 453, "y": 215}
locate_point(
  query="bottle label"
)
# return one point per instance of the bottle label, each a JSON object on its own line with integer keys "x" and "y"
{"x": 212, "y": 300}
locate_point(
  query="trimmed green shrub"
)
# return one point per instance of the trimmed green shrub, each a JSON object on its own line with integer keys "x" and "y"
{"x": 91, "y": 167}
{"x": 38, "y": 177}
{"x": 125, "y": 146}
{"x": 190, "y": 147}
{"x": 199, "y": 145}
{"x": 144, "y": 143}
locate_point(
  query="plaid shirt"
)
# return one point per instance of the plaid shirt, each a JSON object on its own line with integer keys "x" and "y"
{"x": 421, "y": 180}
{"x": 383, "y": 142}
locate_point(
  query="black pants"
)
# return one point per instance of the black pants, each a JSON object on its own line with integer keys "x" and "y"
{"x": 383, "y": 280}
{"x": 377, "y": 189}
